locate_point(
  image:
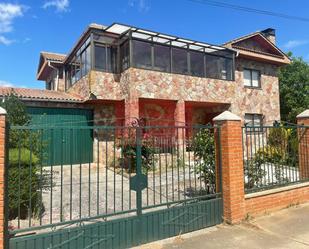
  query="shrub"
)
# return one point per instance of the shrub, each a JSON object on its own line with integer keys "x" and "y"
{"x": 254, "y": 172}
{"x": 129, "y": 151}
{"x": 281, "y": 151}
{"x": 203, "y": 146}
{"x": 24, "y": 184}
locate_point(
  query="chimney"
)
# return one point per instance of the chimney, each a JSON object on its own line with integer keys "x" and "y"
{"x": 270, "y": 34}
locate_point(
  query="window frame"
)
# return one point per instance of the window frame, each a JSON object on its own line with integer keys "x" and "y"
{"x": 251, "y": 70}
{"x": 254, "y": 128}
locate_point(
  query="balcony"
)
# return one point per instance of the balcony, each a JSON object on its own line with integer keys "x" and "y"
{"x": 119, "y": 47}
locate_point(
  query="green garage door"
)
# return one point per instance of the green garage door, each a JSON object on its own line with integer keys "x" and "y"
{"x": 65, "y": 143}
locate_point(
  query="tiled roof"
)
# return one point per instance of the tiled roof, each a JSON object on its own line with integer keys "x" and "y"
{"x": 38, "y": 94}
{"x": 53, "y": 56}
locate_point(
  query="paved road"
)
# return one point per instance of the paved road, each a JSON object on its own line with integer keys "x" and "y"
{"x": 285, "y": 229}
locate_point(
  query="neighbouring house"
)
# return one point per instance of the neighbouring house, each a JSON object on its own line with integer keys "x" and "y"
{"x": 117, "y": 73}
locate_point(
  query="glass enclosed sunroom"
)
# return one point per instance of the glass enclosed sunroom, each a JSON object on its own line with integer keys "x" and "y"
{"x": 116, "y": 48}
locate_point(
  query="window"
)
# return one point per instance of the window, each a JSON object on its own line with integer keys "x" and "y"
{"x": 88, "y": 59}
{"x": 79, "y": 65}
{"x": 124, "y": 55}
{"x": 100, "y": 57}
{"x": 104, "y": 58}
{"x": 252, "y": 78}
{"x": 162, "y": 58}
{"x": 219, "y": 67}
{"x": 254, "y": 122}
{"x": 197, "y": 64}
{"x": 50, "y": 85}
{"x": 179, "y": 61}
{"x": 141, "y": 54}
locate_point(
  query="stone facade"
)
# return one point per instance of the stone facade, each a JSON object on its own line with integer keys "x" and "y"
{"x": 136, "y": 84}
{"x": 81, "y": 87}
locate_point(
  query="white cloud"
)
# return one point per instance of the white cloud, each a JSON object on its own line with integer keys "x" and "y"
{"x": 141, "y": 5}
{"x": 5, "y": 41}
{"x": 8, "y": 12}
{"x": 295, "y": 43}
{"x": 60, "y": 5}
{"x": 6, "y": 83}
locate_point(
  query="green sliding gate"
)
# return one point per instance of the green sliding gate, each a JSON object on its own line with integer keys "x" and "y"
{"x": 140, "y": 185}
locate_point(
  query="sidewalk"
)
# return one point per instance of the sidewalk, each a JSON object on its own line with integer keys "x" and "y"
{"x": 288, "y": 228}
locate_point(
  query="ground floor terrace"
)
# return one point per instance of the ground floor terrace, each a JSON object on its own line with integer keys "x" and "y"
{"x": 156, "y": 112}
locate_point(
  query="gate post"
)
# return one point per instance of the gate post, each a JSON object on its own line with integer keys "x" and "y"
{"x": 303, "y": 145}
{"x": 232, "y": 170}
{"x": 3, "y": 201}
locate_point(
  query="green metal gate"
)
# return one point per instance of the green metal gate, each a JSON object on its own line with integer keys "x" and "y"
{"x": 144, "y": 184}
{"x": 58, "y": 146}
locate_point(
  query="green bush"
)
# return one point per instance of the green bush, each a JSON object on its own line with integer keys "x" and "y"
{"x": 129, "y": 151}
{"x": 24, "y": 184}
{"x": 254, "y": 173}
{"x": 281, "y": 151}
{"x": 203, "y": 146}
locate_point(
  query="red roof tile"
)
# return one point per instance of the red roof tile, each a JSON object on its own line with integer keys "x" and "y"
{"x": 38, "y": 94}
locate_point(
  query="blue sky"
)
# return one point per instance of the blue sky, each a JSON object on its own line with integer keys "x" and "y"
{"x": 28, "y": 27}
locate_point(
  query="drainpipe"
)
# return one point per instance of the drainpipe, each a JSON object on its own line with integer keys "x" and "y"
{"x": 57, "y": 77}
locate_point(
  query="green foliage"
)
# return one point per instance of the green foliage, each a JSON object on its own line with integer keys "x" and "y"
{"x": 23, "y": 157}
{"x": 203, "y": 146}
{"x": 280, "y": 151}
{"x": 25, "y": 180}
{"x": 254, "y": 173}
{"x": 294, "y": 89}
{"x": 16, "y": 110}
{"x": 129, "y": 151}
{"x": 24, "y": 183}
{"x": 17, "y": 115}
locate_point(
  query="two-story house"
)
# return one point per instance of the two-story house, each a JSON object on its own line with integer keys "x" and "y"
{"x": 118, "y": 73}
{"x": 124, "y": 72}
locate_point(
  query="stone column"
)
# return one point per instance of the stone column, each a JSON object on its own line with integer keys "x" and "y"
{"x": 180, "y": 111}
{"x": 131, "y": 111}
{"x": 180, "y": 130}
{"x": 232, "y": 170}
{"x": 303, "y": 144}
{"x": 3, "y": 225}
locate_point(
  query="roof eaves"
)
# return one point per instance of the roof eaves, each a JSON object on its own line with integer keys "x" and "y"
{"x": 229, "y": 43}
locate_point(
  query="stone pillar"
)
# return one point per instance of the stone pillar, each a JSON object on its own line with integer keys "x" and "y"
{"x": 3, "y": 225}
{"x": 180, "y": 113}
{"x": 131, "y": 111}
{"x": 232, "y": 170}
{"x": 303, "y": 145}
{"x": 180, "y": 132}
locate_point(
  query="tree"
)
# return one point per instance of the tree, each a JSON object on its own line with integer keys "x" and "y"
{"x": 16, "y": 115}
{"x": 294, "y": 88}
{"x": 25, "y": 177}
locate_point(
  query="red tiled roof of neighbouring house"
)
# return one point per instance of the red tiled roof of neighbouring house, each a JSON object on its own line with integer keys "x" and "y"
{"x": 39, "y": 94}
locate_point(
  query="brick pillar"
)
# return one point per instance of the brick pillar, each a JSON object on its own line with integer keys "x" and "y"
{"x": 303, "y": 145}
{"x": 232, "y": 171}
{"x": 3, "y": 225}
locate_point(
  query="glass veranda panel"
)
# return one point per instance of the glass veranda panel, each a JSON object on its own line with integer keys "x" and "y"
{"x": 162, "y": 58}
{"x": 124, "y": 55}
{"x": 141, "y": 54}
{"x": 179, "y": 61}
{"x": 100, "y": 57}
{"x": 197, "y": 64}
{"x": 219, "y": 67}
